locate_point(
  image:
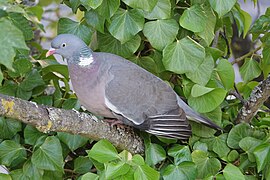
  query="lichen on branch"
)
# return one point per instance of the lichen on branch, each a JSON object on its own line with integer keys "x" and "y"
{"x": 47, "y": 119}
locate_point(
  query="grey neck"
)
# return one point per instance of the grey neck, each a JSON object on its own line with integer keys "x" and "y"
{"x": 84, "y": 52}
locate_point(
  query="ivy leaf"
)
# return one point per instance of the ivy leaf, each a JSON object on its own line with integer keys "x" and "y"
{"x": 233, "y": 155}
{"x": 180, "y": 154}
{"x": 108, "y": 8}
{"x": 154, "y": 154}
{"x": 91, "y": 3}
{"x": 9, "y": 127}
{"x": 220, "y": 146}
{"x": 194, "y": 18}
{"x": 31, "y": 80}
{"x": 46, "y": 158}
{"x": 203, "y": 73}
{"x": 10, "y": 38}
{"x": 72, "y": 141}
{"x": 162, "y": 10}
{"x": 225, "y": 73}
{"x": 31, "y": 135}
{"x": 262, "y": 155}
{"x": 208, "y": 101}
{"x": 82, "y": 165}
{"x": 141, "y": 4}
{"x": 248, "y": 144}
{"x": 23, "y": 24}
{"x": 30, "y": 170}
{"x": 146, "y": 62}
{"x": 183, "y": 56}
{"x": 145, "y": 172}
{"x": 250, "y": 70}
{"x": 91, "y": 176}
{"x": 160, "y": 33}
{"x": 237, "y": 133}
{"x": 186, "y": 170}
{"x": 205, "y": 165}
{"x": 116, "y": 169}
{"x": 103, "y": 151}
{"x": 125, "y": 24}
{"x": 10, "y": 151}
{"x": 107, "y": 43}
{"x": 232, "y": 172}
{"x": 222, "y": 7}
{"x": 95, "y": 20}
{"x": 68, "y": 26}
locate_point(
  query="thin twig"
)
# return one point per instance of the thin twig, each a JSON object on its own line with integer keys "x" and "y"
{"x": 246, "y": 55}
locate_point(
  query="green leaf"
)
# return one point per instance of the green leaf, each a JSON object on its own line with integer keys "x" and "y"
{"x": 186, "y": 170}
{"x": 194, "y": 18}
{"x": 107, "y": 43}
{"x": 45, "y": 157}
{"x": 262, "y": 155}
{"x": 31, "y": 135}
{"x": 91, "y": 3}
{"x": 19, "y": 174}
{"x": 72, "y": 141}
{"x": 183, "y": 56}
{"x": 91, "y": 176}
{"x": 209, "y": 27}
{"x": 145, "y": 172}
{"x": 82, "y": 165}
{"x": 108, "y": 8}
{"x": 23, "y": 24}
{"x": 154, "y": 154}
{"x": 116, "y": 169}
{"x": 202, "y": 131}
{"x": 30, "y": 170}
{"x": 180, "y": 154}
{"x": 49, "y": 175}
{"x": 138, "y": 160}
{"x": 220, "y": 146}
{"x": 162, "y": 10}
{"x": 233, "y": 155}
{"x": 146, "y": 62}
{"x": 10, "y": 151}
{"x": 45, "y": 100}
{"x": 141, "y": 4}
{"x": 9, "y": 127}
{"x": 125, "y": 24}
{"x": 71, "y": 103}
{"x": 56, "y": 69}
{"x": 250, "y": 70}
{"x": 205, "y": 165}
{"x": 32, "y": 80}
{"x": 74, "y": 4}
{"x": 222, "y": 7}
{"x": 248, "y": 144}
{"x": 161, "y": 33}
{"x": 5, "y": 176}
{"x": 237, "y": 133}
{"x": 68, "y": 26}
{"x": 103, "y": 151}
{"x": 232, "y": 172}
{"x": 225, "y": 73}
{"x": 95, "y": 20}
{"x": 10, "y": 38}
{"x": 200, "y": 146}
{"x": 207, "y": 102}
{"x": 198, "y": 90}
{"x": 22, "y": 66}
{"x": 203, "y": 73}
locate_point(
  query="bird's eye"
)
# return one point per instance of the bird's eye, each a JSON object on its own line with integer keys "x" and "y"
{"x": 64, "y": 45}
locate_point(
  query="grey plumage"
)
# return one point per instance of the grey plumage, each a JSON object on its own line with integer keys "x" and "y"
{"x": 111, "y": 86}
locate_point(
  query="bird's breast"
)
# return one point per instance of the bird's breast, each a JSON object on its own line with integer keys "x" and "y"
{"x": 89, "y": 86}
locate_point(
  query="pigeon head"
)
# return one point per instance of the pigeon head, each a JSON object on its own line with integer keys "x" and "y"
{"x": 66, "y": 45}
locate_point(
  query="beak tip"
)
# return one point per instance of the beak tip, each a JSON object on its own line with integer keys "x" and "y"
{"x": 50, "y": 52}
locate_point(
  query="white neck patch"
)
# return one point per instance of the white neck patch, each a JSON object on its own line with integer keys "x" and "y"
{"x": 85, "y": 61}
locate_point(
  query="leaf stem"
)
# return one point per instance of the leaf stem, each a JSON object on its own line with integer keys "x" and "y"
{"x": 246, "y": 55}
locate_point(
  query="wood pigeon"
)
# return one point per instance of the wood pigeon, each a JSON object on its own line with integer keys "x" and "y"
{"x": 113, "y": 87}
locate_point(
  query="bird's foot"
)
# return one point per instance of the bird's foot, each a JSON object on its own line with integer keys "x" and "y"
{"x": 115, "y": 122}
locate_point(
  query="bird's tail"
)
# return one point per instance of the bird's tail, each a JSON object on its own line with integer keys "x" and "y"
{"x": 194, "y": 116}
{"x": 173, "y": 125}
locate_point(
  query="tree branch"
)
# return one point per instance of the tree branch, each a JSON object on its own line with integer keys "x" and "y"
{"x": 258, "y": 96}
{"x": 246, "y": 55}
{"x": 47, "y": 119}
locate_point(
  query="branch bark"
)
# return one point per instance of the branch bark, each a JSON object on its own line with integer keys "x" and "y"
{"x": 47, "y": 119}
{"x": 258, "y": 96}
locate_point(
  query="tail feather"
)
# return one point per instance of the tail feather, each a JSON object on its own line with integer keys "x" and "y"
{"x": 173, "y": 125}
{"x": 194, "y": 116}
